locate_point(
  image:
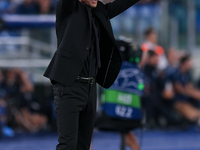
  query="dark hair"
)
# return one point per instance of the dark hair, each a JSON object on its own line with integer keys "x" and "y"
{"x": 185, "y": 58}
{"x": 148, "y": 31}
{"x": 151, "y": 53}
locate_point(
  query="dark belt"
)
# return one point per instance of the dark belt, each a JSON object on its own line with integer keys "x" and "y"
{"x": 89, "y": 80}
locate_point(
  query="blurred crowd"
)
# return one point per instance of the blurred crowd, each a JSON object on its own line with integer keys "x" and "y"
{"x": 170, "y": 97}
{"x": 20, "y": 109}
{"x": 38, "y": 6}
{"x": 29, "y": 7}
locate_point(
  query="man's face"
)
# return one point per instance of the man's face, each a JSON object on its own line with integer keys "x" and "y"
{"x": 153, "y": 37}
{"x": 154, "y": 60}
{"x": 91, "y": 3}
{"x": 188, "y": 65}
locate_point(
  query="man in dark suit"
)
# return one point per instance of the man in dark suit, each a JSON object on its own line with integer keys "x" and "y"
{"x": 87, "y": 54}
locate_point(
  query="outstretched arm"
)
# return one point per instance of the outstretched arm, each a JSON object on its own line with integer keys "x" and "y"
{"x": 118, "y": 6}
{"x": 65, "y": 6}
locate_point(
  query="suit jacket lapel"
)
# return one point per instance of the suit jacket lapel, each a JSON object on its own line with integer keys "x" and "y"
{"x": 89, "y": 17}
{"x": 89, "y": 13}
{"x": 105, "y": 22}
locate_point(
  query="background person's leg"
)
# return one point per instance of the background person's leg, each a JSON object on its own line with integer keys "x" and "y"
{"x": 131, "y": 141}
{"x": 188, "y": 111}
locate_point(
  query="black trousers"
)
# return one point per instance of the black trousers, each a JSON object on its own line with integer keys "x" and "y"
{"x": 75, "y": 108}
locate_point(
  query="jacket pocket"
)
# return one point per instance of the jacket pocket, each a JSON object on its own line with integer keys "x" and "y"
{"x": 64, "y": 53}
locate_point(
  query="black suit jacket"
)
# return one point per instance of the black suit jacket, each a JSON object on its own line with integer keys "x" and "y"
{"x": 74, "y": 18}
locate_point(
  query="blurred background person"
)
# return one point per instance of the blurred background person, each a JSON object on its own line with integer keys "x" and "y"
{"x": 166, "y": 84}
{"x": 166, "y": 89}
{"x": 151, "y": 37}
{"x": 28, "y": 7}
{"x": 45, "y": 7}
{"x": 166, "y": 78}
{"x": 187, "y": 97}
{"x": 24, "y": 108}
{"x": 150, "y": 97}
{"x": 3, "y": 107}
{"x": 153, "y": 92}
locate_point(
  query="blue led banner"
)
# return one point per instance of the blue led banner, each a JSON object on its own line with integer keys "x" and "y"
{"x": 122, "y": 100}
{"x": 123, "y": 112}
{"x": 130, "y": 79}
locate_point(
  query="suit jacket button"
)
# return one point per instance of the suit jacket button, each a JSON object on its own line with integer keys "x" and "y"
{"x": 87, "y": 48}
